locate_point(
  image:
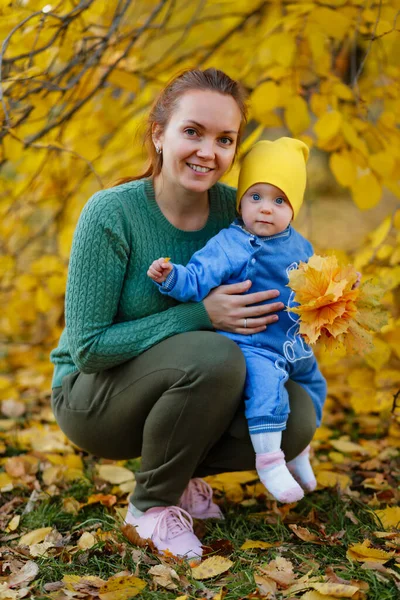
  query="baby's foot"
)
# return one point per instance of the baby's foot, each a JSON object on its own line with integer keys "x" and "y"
{"x": 276, "y": 477}
{"x": 301, "y": 469}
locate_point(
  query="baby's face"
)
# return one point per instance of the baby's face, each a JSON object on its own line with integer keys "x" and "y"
{"x": 265, "y": 209}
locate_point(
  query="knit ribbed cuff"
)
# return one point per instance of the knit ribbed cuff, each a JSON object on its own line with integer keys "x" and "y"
{"x": 194, "y": 317}
{"x": 170, "y": 281}
{"x": 266, "y": 424}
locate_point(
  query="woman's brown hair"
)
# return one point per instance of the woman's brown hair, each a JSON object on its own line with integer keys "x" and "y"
{"x": 191, "y": 79}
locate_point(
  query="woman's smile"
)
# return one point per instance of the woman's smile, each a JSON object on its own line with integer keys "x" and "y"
{"x": 199, "y": 169}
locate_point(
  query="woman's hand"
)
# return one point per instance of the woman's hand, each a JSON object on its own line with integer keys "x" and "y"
{"x": 229, "y": 310}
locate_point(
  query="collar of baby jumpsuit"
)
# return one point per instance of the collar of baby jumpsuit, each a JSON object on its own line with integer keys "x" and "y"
{"x": 282, "y": 234}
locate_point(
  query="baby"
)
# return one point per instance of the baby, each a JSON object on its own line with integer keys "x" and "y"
{"x": 262, "y": 246}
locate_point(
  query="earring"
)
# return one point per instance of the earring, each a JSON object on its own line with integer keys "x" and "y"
{"x": 158, "y": 150}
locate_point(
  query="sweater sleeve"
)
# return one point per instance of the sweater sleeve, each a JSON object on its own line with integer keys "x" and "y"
{"x": 207, "y": 269}
{"x": 97, "y": 269}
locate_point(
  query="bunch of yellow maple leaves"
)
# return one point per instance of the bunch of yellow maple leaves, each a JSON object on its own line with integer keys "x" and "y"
{"x": 332, "y": 308}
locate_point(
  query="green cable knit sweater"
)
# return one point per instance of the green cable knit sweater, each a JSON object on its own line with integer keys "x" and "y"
{"x": 113, "y": 311}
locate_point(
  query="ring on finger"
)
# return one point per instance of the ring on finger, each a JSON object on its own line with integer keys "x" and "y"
{"x": 245, "y": 323}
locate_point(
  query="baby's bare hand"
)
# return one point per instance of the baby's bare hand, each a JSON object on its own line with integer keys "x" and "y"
{"x": 159, "y": 270}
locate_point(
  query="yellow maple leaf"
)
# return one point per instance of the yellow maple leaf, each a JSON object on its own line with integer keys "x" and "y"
{"x": 364, "y": 553}
{"x": 389, "y": 517}
{"x": 331, "y": 310}
{"x": 215, "y": 565}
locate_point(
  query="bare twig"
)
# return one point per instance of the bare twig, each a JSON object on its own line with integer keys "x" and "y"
{"x": 66, "y": 18}
{"x": 100, "y": 84}
{"x": 361, "y": 67}
{"x": 51, "y": 147}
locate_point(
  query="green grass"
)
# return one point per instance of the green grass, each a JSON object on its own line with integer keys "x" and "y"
{"x": 105, "y": 559}
{"x": 323, "y": 511}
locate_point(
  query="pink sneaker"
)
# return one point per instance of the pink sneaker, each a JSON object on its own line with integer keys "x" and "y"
{"x": 197, "y": 501}
{"x": 169, "y": 528}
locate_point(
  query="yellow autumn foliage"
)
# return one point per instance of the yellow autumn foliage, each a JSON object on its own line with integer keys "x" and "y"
{"x": 73, "y": 115}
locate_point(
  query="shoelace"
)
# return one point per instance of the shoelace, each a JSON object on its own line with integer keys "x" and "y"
{"x": 200, "y": 492}
{"x": 173, "y": 521}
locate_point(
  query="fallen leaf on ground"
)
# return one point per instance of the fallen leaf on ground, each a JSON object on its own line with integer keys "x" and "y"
{"x": 164, "y": 576}
{"x": 13, "y": 408}
{"x": 234, "y": 477}
{"x": 280, "y": 570}
{"x": 220, "y": 547}
{"x": 6, "y": 593}
{"x": 333, "y": 578}
{"x": 348, "y": 447}
{"x": 86, "y": 541}
{"x": 220, "y": 595}
{"x": 40, "y": 549}
{"x": 89, "y": 584}
{"x": 256, "y": 489}
{"x": 332, "y": 479}
{"x": 304, "y": 534}
{"x": 130, "y": 532}
{"x": 314, "y": 595}
{"x": 35, "y": 536}
{"x": 376, "y": 566}
{"x": 13, "y": 524}
{"x": 265, "y": 585}
{"x": 215, "y": 565}
{"x": 28, "y": 573}
{"x": 71, "y": 505}
{"x": 338, "y": 590}
{"x": 121, "y": 587}
{"x": 20, "y": 466}
{"x": 125, "y": 488}
{"x": 104, "y": 499}
{"x": 253, "y": 544}
{"x": 389, "y": 517}
{"x": 114, "y": 473}
{"x": 364, "y": 553}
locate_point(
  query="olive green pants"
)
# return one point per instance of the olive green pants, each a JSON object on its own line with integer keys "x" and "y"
{"x": 178, "y": 406}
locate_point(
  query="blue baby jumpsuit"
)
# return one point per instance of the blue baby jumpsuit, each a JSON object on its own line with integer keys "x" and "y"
{"x": 276, "y": 354}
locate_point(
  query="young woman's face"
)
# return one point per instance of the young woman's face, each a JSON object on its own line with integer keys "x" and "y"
{"x": 265, "y": 209}
{"x": 199, "y": 141}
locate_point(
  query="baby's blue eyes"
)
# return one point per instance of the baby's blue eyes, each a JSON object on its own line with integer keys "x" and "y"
{"x": 278, "y": 200}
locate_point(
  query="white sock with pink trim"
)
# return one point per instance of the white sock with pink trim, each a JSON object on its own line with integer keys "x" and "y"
{"x": 301, "y": 469}
{"x": 272, "y": 469}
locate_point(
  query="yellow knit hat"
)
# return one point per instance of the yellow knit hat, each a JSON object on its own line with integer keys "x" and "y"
{"x": 281, "y": 163}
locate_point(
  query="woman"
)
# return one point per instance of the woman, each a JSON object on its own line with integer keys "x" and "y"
{"x": 138, "y": 374}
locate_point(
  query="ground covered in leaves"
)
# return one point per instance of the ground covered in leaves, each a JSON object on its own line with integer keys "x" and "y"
{"x": 62, "y": 534}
